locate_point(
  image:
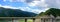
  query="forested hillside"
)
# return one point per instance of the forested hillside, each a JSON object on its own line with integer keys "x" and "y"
{"x": 4, "y": 12}
{"x": 52, "y": 11}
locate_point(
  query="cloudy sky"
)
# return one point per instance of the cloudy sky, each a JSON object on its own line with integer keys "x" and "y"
{"x": 35, "y": 6}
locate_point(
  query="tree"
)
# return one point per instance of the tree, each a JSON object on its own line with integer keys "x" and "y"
{"x": 55, "y": 12}
{"x": 6, "y": 12}
{"x": 52, "y": 11}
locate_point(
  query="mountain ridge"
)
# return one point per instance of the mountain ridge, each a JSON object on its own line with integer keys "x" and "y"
{"x": 4, "y": 12}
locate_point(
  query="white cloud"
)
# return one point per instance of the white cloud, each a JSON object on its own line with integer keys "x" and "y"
{"x": 37, "y": 11}
{"x": 8, "y": 7}
{"x": 17, "y": 0}
{"x": 23, "y": 0}
{"x": 10, "y": 0}
{"x": 53, "y": 3}
{"x": 23, "y": 8}
{"x": 40, "y": 3}
{"x": 0, "y": 5}
{"x": 45, "y": 9}
{"x": 34, "y": 3}
{"x": 4, "y": 0}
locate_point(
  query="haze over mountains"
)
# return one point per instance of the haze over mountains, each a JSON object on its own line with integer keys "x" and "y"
{"x": 4, "y": 12}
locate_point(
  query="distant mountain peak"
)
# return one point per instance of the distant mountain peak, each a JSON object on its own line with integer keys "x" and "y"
{"x": 4, "y": 12}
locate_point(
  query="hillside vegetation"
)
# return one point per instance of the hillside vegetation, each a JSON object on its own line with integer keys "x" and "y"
{"x": 4, "y": 12}
{"x": 52, "y": 11}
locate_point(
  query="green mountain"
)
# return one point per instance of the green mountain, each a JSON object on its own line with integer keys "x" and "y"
{"x": 55, "y": 12}
{"x": 4, "y": 12}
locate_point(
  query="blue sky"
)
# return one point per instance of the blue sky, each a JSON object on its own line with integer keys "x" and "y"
{"x": 35, "y": 6}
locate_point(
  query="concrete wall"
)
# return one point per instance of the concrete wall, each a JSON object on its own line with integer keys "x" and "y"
{"x": 37, "y": 20}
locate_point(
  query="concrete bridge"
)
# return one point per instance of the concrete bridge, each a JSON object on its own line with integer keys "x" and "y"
{"x": 35, "y": 19}
{"x": 15, "y": 19}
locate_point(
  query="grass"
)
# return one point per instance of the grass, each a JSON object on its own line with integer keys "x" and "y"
{"x": 29, "y": 20}
{"x": 22, "y": 20}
